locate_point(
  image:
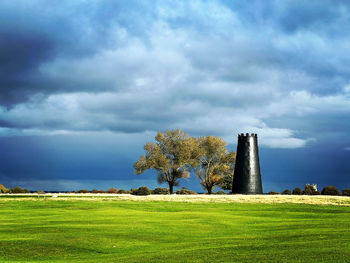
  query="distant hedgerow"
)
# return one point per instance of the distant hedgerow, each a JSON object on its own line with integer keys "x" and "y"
{"x": 185, "y": 191}
{"x": 346, "y": 192}
{"x": 273, "y": 193}
{"x": 83, "y": 191}
{"x": 310, "y": 190}
{"x": 95, "y": 191}
{"x": 122, "y": 191}
{"x": 18, "y": 190}
{"x": 160, "y": 191}
{"x": 330, "y": 190}
{"x": 287, "y": 192}
{"x": 112, "y": 190}
{"x": 143, "y": 190}
{"x": 297, "y": 191}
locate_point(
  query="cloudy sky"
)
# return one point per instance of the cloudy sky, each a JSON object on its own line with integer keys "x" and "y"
{"x": 85, "y": 84}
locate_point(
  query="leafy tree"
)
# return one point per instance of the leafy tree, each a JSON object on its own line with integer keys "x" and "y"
{"x": 172, "y": 156}
{"x": 227, "y": 181}
{"x": 310, "y": 190}
{"x": 330, "y": 190}
{"x": 297, "y": 191}
{"x": 214, "y": 162}
{"x": 18, "y": 190}
{"x": 287, "y": 192}
{"x": 346, "y": 192}
{"x": 3, "y": 189}
{"x": 143, "y": 190}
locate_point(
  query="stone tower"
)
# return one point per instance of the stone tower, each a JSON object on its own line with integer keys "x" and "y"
{"x": 247, "y": 177}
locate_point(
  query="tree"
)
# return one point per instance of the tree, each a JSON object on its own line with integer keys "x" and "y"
{"x": 330, "y": 190}
{"x": 287, "y": 192}
{"x": 172, "y": 156}
{"x": 346, "y": 192}
{"x": 227, "y": 181}
{"x": 3, "y": 189}
{"x": 143, "y": 190}
{"x": 310, "y": 190}
{"x": 18, "y": 190}
{"x": 214, "y": 162}
{"x": 297, "y": 191}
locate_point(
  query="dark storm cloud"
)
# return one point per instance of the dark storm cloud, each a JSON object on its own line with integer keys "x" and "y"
{"x": 307, "y": 36}
{"x": 241, "y": 41}
{"x": 135, "y": 66}
{"x": 36, "y": 33}
{"x": 21, "y": 51}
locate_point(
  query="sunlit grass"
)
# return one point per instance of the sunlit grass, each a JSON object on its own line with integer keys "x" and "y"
{"x": 126, "y": 228}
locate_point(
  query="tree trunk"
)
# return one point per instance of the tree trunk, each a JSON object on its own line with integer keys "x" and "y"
{"x": 209, "y": 188}
{"x": 171, "y": 187}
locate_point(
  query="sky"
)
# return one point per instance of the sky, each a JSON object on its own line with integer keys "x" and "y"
{"x": 85, "y": 84}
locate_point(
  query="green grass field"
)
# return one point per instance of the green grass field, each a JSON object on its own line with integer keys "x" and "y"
{"x": 108, "y": 230}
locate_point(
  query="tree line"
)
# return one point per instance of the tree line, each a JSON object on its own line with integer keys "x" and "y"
{"x": 174, "y": 154}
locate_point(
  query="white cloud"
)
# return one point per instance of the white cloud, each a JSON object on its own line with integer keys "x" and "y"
{"x": 79, "y": 112}
{"x": 218, "y": 75}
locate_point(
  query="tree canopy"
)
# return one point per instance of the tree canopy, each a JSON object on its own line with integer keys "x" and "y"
{"x": 172, "y": 155}
{"x": 215, "y": 163}
{"x": 3, "y": 189}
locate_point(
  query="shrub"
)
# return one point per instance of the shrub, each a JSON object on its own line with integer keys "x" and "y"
{"x": 220, "y": 193}
{"x": 83, "y": 191}
{"x": 185, "y": 191}
{"x": 297, "y": 191}
{"x": 122, "y": 191}
{"x": 143, "y": 190}
{"x": 310, "y": 190}
{"x": 112, "y": 190}
{"x": 226, "y": 183}
{"x": 273, "y": 193}
{"x": 160, "y": 191}
{"x": 18, "y": 190}
{"x": 95, "y": 191}
{"x": 287, "y": 192}
{"x": 3, "y": 189}
{"x": 346, "y": 192}
{"x": 330, "y": 190}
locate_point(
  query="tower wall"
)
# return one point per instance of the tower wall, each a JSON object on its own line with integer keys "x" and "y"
{"x": 247, "y": 177}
